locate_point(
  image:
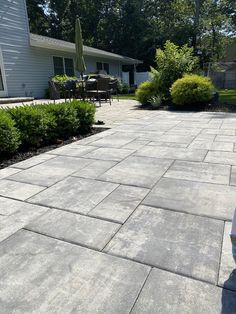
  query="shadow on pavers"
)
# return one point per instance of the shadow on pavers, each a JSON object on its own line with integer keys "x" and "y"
{"x": 228, "y": 298}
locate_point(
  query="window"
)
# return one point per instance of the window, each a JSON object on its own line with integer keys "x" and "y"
{"x": 106, "y": 67}
{"x": 103, "y": 66}
{"x": 58, "y": 65}
{"x": 69, "y": 67}
{"x": 99, "y": 66}
{"x": 63, "y": 66}
{"x": 1, "y": 81}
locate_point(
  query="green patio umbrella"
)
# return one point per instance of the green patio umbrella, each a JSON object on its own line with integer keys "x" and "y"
{"x": 79, "y": 62}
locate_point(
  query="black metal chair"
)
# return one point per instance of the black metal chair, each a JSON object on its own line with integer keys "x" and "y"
{"x": 114, "y": 88}
{"x": 98, "y": 89}
{"x": 54, "y": 90}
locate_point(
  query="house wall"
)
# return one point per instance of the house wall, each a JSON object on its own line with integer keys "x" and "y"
{"x": 28, "y": 68}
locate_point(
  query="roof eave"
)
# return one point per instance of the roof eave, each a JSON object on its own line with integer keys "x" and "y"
{"x": 36, "y": 42}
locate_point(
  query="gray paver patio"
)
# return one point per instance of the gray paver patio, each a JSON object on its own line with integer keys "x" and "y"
{"x": 51, "y": 276}
{"x": 212, "y": 200}
{"x": 199, "y": 171}
{"x": 118, "y": 205}
{"x": 90, "y": 232}
{"x": 138, "y": 171}
{"x": 75, "y": 194}
{"x": 178, "y": 242}
{"x": 167, "y": 293}
{"x": 158, "y": 188}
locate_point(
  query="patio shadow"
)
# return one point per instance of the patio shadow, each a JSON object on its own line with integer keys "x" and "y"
{"x": 228, "y": 298}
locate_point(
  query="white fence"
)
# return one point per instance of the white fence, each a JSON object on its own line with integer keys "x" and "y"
{"x": 141, "y": 77}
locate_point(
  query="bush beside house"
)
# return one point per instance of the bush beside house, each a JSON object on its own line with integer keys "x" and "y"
{"x": 32, "y": 126}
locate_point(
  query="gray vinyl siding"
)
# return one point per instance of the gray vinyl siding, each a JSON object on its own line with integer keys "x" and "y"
{"x": 28, "y": 68}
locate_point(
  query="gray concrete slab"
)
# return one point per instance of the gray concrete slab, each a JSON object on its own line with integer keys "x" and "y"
{"x": 226, "y": 158}
{"x": 199, "y": 171}
{"x": 227, "y": 273}
{"x": 136, "y": 144}
{"x": 72, "y": 150}
{"x": 233, "y": 176}
{"x": 178, "y": 242}
{"x": 205, "y": 199}
{"x": 115, "y": 140}
{"x": 95, "y": 168}
{"x": 226, "y": 138}
{"x": 172, "y": 153}
{"x": 209, "y": 145}
{"x": 50, "y": 172}
{"x": 18, "y": 190}
{"x": 175, "y": 138}
{"x": 138, "y": 171}
{"x": 33, "y": 161}
{"x": 105, "y": 153}
{"x": 75, "y": 228}
{"x": 218, "y": 132}
{"x": 14, "y": 215}
{"x": 167, "y": 293}
{"x": 184, "y": 131}
{"x": 75, "y": 194}
{"x": 43, "y": 275}
{"x": 6, "y": 172}
{"x": 42, "y": 175}
{"x": 120, "y": 204}
{"x": 168, "y": 144}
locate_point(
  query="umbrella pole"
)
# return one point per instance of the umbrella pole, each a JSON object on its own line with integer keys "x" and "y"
{"x": 83, "y": 87}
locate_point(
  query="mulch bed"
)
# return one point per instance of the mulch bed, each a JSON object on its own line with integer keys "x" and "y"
{"x": 22, "y": 155}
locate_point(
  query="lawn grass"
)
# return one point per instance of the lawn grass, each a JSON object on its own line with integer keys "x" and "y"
{"x": 228, "y": 96}
{"x": 127, "y": 96}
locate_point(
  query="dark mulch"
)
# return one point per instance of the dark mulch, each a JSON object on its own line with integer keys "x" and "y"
{"x": 22, "y": 155}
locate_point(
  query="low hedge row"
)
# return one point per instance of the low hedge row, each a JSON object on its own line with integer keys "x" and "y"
{"x": 33, "y": 126}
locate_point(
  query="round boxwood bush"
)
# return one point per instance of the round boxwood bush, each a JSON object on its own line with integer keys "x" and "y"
{"x": 145, "y": 91}
{"x": 9, "y": 135}
{"x": 192, "y": 90}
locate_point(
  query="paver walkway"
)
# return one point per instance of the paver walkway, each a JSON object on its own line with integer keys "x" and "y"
{"x": 135, "y": 219}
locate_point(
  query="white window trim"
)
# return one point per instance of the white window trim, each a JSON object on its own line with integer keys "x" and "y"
{"x": 4, "y": 92}
{"x": 63, "y": 61}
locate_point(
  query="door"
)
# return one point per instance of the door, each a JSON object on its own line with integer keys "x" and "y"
{"x": 3, "y": 84}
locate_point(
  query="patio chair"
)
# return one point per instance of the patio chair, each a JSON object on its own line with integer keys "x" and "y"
{"x": 69, "y": 89}
{"x": 98, "y": 89}
{"x": 114, "y": 88}
{"x": 54, "y": 90}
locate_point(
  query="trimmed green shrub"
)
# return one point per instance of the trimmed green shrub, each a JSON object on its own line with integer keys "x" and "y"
{"x": 192, "y": 90}
{"x": 65, "y": 120}
{"x": 145, "y": 91}
{"x": 62, "y": 78}
{"x": 85, "y": 114}
{"x": 33, "y": 123}
{"x": 9, "y": 135}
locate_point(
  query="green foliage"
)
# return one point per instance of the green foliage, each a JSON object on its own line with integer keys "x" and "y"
{"x": 145, "y": 91}
{"x": 62, "y": 78}
{"x": 85, "y": 113}
{"x": 65, "y": 120}
{"x": 172, "y": 63}
{"x": 9, "y": 135}
{"x": 32, "y": 122}
{"x": 192, "y": 90}
{"x": 39, "y": 124}
{"x": 155, "y": 101}
{"x": 228, "y": 96}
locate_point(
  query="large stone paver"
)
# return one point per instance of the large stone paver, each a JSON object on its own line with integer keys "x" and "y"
{"x": 44, "y": 275}
{"x": 205, "y": 199}
{"x": 172, "y": 153}
{"x": 107, "y": 153}
{"x": 30, "y": 162}
{"x": 227, "y": 273}
{"x": 95, "y": 168}
{"x": 74, "y": 228}
{"x": 178, "y": 242}
{"x": 72, "y": 150}
{"x": 225, "y": 158}
{"x": 167, "y": 293}
{"x": 18, "y": 190}
{"x": 14, "y": 215}
{"x": 138, "y": 171}
{"x": 75, "y": 194}
{"x": 6, "y": 172}
{"x": 120, "y": 204}
{"x": 199, "y": 171}
{"x": 115, "y": 140}
{"x": 233, "y": 176}
{"x": 51, "y": 171}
